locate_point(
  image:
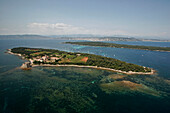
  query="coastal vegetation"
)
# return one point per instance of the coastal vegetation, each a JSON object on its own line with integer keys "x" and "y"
{"x": 103, "y": 44}
{"x": 56, "y": 57}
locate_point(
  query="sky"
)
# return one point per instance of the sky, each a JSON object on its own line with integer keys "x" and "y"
{"x": 142, "y": 18}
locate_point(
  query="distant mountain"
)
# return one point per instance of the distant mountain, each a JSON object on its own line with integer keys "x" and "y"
{"x": 86, "y": 37}
{"x": 23, "y": 37}
{"x": 110, "y": 38}
{"x": 76, "y": 36}
{"x": 100, "y": 38}
{"x": 120, "y": 39}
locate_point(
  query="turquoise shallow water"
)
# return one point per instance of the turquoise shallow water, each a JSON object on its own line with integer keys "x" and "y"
{"x": 70, "y": 89}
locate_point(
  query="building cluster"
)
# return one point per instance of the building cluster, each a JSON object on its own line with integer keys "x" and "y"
{"x": 45, "y": 59}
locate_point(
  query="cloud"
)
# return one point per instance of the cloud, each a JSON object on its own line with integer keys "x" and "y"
{"x": 64, "y": 29}
{"x": 53, "y": 29}
{"x": 46, "y": 25}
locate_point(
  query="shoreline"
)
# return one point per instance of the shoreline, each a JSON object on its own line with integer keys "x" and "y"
{"x": 95, "y": 67}
{"x": 81, "y": 66}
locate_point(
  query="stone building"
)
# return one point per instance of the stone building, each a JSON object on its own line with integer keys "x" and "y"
{"x": 26, "y": 65}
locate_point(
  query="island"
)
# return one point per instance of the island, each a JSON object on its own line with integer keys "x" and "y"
{"x": 52, "y": 57}
{"x": 103, "y": 44}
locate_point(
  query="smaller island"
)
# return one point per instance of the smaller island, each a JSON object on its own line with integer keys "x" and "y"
{"x": 51, "y": 57}
{"x": 103, "y": 44}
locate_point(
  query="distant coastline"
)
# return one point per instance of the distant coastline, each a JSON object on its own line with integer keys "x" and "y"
{"x": 86, "y": 66}
{"x": 103, "y": 44}
{"x": 86, "y": 37}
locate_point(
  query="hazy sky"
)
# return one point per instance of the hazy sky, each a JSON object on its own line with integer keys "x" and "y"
{"x": 99, "y": 17}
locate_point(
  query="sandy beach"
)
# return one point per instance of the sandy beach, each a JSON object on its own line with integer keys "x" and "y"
{"x": 103, "y": 68}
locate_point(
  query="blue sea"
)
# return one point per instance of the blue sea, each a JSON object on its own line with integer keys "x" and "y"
{"x": 74, "y": 90}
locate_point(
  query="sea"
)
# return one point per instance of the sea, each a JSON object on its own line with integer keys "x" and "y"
{"x": 84, "y": 90}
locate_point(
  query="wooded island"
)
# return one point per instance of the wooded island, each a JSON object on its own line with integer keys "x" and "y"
{"x": 103, "y": 44}
{"x": 47, "y": 57}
